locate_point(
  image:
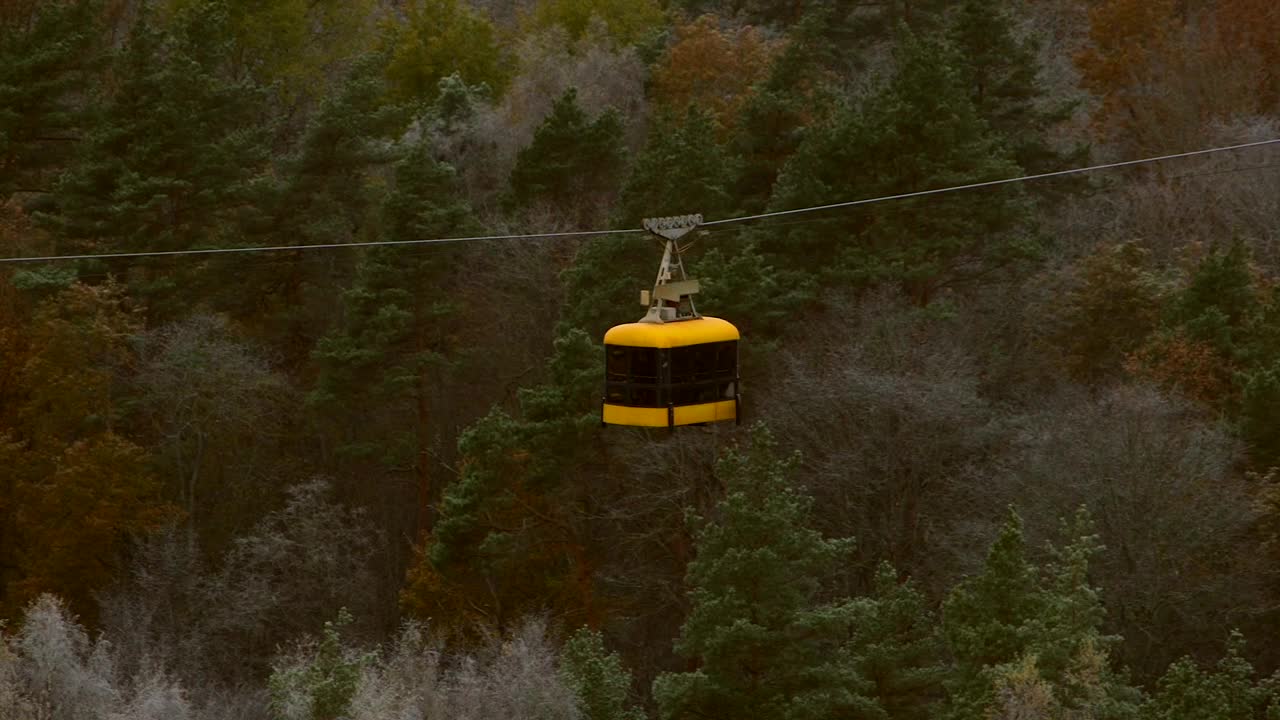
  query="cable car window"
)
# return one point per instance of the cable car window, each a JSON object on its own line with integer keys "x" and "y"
{"x": 727, "y": 358}
{"x": 644, "y": 365}
{"x": 616, "y": 363}
{"x": 682, "y": 365}
{"x": 704, "y": 360}
{"x": 645, "y": 396}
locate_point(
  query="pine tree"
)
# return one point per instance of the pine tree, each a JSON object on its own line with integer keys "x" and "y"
{"x": 899, "y": 649}
{"x": 1186, "y": 692}
{"x": 1221, "y": 300}
{"x": 44, "y": 60}
{"x": 989, "y": 620}
{"x": 1260, "y": 414}
{"x": 764, "y": 642}
{"x": 1026, "y": 636}
{"x": 171, "y": 159}
{"x": 319, "y": 680}
{"x": 597, "y": 677}
{"x": 919, "y": 132}
{"x": 330, "y": 190}
{"x": 793, "y": 96}
{"x": 682, "y": 169}
{"x": 1000, "y": 71}
{"x": 397, "y": 344}
{"x": 573, "y": 163}
{"x": 514, "y": 533}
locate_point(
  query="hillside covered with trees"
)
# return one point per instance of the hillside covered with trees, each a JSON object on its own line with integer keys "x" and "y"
{"x": 1009, "y": 452}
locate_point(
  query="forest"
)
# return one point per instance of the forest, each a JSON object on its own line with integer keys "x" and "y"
{"x": 1007, "y": 453}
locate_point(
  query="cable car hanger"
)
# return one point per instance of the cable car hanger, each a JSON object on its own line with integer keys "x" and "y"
{"x": 671, "y": 299}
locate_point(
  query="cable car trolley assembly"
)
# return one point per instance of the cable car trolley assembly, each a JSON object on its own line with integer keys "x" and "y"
{"x": 674, "y": 366}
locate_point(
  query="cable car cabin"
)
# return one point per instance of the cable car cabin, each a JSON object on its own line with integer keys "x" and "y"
{"x": 672, "y": 373}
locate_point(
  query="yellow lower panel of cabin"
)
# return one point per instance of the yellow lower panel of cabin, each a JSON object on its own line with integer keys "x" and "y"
{"x": 657, "y": 417}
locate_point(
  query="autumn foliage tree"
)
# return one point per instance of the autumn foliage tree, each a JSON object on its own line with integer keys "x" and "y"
{"x": 1249, "y": 28}
{"x": 1107, "y": 312}
{"x": 438, "y": 39}
{"x": 76, "y": 488}
{"x": 1163, "y": 70}
{"x": 713, "y": 68}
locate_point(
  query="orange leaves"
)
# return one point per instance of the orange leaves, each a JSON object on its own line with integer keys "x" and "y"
{"x": 1249, "y": 30}
{"x": 1128, "y": 36}
{"x": 74, "y": 512}
{"x": 712, "y": 69}
{"x": 71, "y": 490}
{"x": 1113, "y": 304}
{"x": 1191, "y": 367}
{"x": 1135, "y": 48}
{"x": 78, "y": 342}
{"x": 1164, "y": 69}
{"x": 71, "y": 512}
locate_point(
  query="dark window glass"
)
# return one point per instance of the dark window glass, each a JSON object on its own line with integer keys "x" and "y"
{"x": 704, "y": 360}
{"x": 727, "y": 358}
{"x": 616, "y": 365}
{"x": 682, "y": 365}
{"x": 644, "y": 364}
{"x": 645, "y": 396}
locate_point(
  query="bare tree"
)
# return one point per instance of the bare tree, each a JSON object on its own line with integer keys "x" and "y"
{"x": 511, "y": 677}
{"x": 213, "y": 403}
{"x": 883, "y": 402}
{"x": 298, "y": 566}
{"x": 61, "y": 666}
{"x": 153, "y": 613}
{"x": 1174, "y": 514}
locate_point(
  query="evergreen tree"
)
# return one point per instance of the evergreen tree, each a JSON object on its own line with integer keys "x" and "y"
{"x": 1221, "y": 300}
{"x": 171, "y": 159}
{"x": 397, "y": 344}
{"x": 1000, "y": 71}
{"x": 514, "y": 530}
{"x": 1260, "y": 414}
{"x": 329, "y": 191}
{"x": 792, "y": 96}
{"x": 919, "y": 132}
{"x": 764, "y": 642}
{"x": 1186, "y": 692}
{"x": 1016, "y": 632}
{"x": 597, "y": 677}
{"x": 573, "y": 163}
{"x": 989, "y": 620}
{"x": 318, "y": 681}
{"x": 682, "y": 169}
{"x": 899, "y": 649}
{"x": 44, "y": 60}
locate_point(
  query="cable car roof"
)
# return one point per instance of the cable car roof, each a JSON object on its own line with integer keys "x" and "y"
{"x": 672, "y": 334}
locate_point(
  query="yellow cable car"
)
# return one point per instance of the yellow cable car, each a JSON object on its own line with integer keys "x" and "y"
{"x": 674, "y": 366}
